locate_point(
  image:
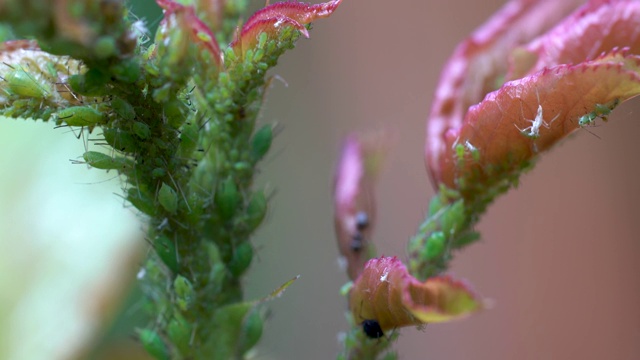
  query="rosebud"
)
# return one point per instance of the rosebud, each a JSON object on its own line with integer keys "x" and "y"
{"x": 386, "y": 297}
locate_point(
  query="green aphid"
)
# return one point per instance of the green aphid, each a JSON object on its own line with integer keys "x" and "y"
{"x": 22, "y": 83}
{"x": 475, "y": 153}
{"x": 123, "y": 109}
{"x": 99, "y": 160}
{"x": 168, "y": 198}
{"x": 91, "y": 83}
{"x": 601, "y": 111}
{"x": 120, "y": 140}
{"x": 435, "y": 246}
{"x": 184, "y": 292}
{"x": 242, "y": 256}
{"x": 459, "y": 150}
{"x": 188, "y": 139}
{"x": 256, "y": 210}
{"x": 251, "y": 330}
{"x": 180, "y": 332}
{"x": 141, "y": 201}
{"x": 227, "y": 198}
{"x": 261, "y": 142}
{"x": 153, "y": 343}
{"x": 80, "y": 116}
{"x": 587, "y": 119}
{"x": 141, "y": 130}
{"x": 166, "y": 250}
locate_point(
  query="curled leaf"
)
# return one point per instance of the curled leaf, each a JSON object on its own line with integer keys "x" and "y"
{"x": 597, "y": 27}
{"x": 569, "y": 83}
{"x": 479, "y": 63}
{"x": 387, "y": 294}
{"x": 527, "y": 116}
{"x": 273, "y": 18}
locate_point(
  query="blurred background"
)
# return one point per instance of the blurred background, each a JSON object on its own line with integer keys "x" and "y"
{"x": 559, "y": 256}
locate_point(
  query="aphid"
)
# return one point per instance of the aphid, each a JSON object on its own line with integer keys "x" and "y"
{"x": 24, "y": 84}
{"x": 601, "y": 111}
{"x": 362, "y": 220}
{"x": 80, "y": 116}
{"x": 475, "y": 153}
{"x": 533, "y": 131}
{"x": 103, "y": 161}
{"x": 372, "y": 329}
{"x": 586, "y": 119}
{"x": 357, "y": 241}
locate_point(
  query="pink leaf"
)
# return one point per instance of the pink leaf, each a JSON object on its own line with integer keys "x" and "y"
{"x": 387, "y": 294}
{"x": 471, "y": 142}
{"x": 274, "y": 17}
{"x": 480, "y": 61}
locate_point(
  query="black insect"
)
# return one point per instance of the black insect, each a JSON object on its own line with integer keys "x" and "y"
{"x": 362, "y": 220}
{"x": 356, "y": 241}
{"x": 372, "y": 329}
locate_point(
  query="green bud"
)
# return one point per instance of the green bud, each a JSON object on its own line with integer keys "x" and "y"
{"x": 242, "y": 256}
{"x": 166, "y": 250}
{"x": 102, "y": 161}
{"x": 227, "y": 199}
{"x": 261, "y": 142}
{"x": 168, "y": 198}
{"x": 153, "y": 344}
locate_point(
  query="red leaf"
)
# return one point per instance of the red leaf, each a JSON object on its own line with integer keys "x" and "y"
{"x": 274, "y": 17}
{"x": 386, "y": 293}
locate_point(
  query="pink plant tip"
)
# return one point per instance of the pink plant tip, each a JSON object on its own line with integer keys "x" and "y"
{"x": 386, "y": 293}
{"x": 526, "y": 79}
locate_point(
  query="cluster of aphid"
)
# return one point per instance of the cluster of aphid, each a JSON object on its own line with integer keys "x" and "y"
{"x": 39, "y": 88}
{"x": 601, "y": 111}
